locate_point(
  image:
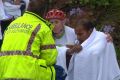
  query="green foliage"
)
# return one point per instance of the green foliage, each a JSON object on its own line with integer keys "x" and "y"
{"x": 98, "y": 2}
{"x": 118, "y": 52}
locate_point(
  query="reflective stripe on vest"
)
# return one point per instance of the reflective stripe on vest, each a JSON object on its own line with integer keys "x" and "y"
{"x": 44, "y": 47}
{"x": 5, "y": 53}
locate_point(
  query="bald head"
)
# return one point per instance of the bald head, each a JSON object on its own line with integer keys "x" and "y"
{"x": 38, "y": 6}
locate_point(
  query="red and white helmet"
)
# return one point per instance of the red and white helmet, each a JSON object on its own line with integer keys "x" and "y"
{"x": 55, "y": 14}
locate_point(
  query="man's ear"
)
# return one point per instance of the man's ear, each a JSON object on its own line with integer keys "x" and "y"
{"x": 90, "y": 31}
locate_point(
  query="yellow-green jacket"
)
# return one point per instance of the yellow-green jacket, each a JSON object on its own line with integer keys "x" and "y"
{"x": 28, "y": 50}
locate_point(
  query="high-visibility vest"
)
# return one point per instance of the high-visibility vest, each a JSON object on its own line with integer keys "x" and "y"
{"x": 28, "y": 50}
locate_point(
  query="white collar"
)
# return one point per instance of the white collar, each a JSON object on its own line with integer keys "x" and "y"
{"x": 90, "y": 39}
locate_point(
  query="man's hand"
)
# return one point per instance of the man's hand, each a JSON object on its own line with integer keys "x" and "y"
{"x": 17, "y": 2}
{"x": 74, "y": 49}
{"x": 109, "y": 37}
{"x": 69, "y": 46}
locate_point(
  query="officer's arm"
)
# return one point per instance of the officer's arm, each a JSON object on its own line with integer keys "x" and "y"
{"x": 48, "y": 48}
